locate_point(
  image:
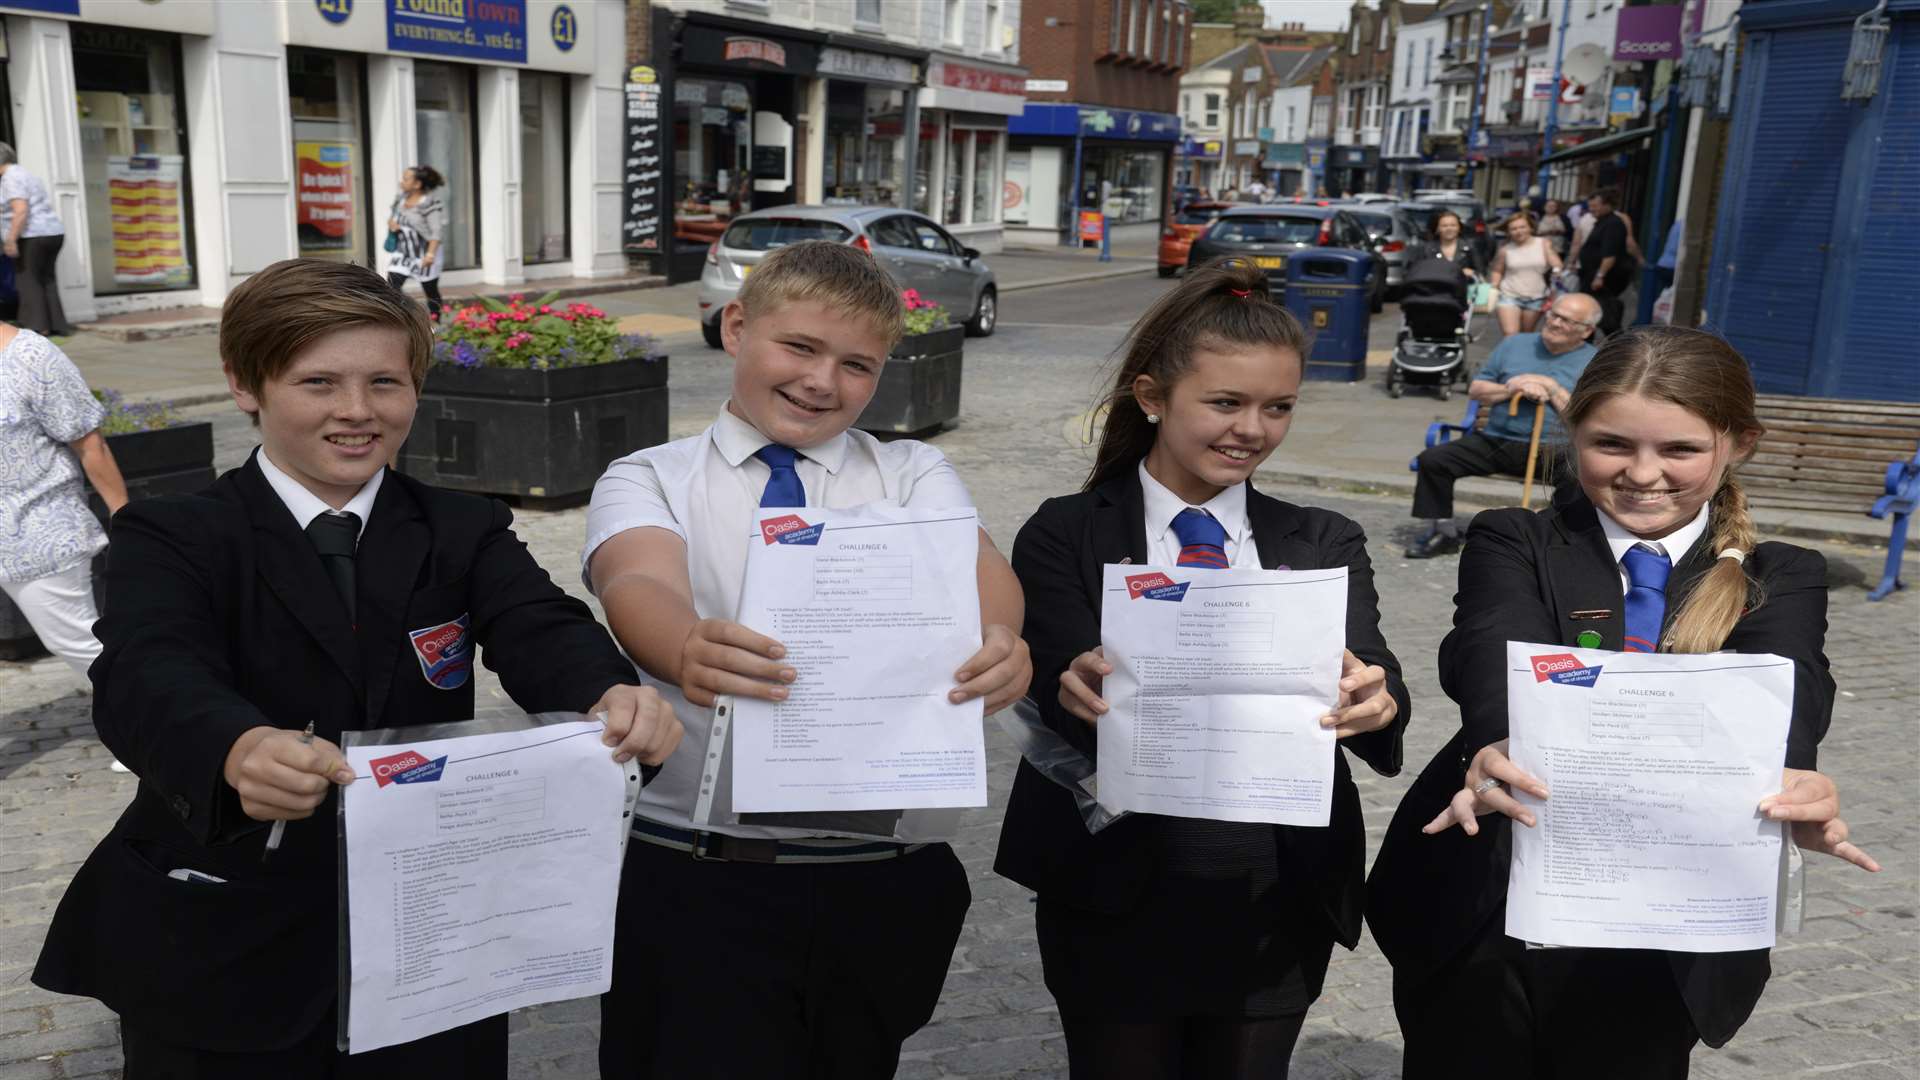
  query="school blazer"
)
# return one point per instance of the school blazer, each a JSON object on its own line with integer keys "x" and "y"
{"x": 220, "y": 618}
{"x": 1522, "y": 575}
{"x": 1058, "y": 556}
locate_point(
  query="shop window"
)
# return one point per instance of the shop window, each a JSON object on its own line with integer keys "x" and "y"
{"x": 543, "y": 168}
{"x": 866, "y": 152}
{"x": 924, "y": 167}
{"x": 326, "y": 93}
{"x": 712, "y": 153}
{"x": 133, "y": 150}
{"x": 956, "y": 15}
{"x": 959, "y": 153}
{"x": 1122, "y": 183}
{"x": 866, "y": 12}
{"x": 445, "y": 133}
{"x": 986, "y": 186}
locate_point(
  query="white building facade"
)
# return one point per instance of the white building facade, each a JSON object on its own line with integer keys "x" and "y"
{"x": 190, "y": 143}
{"x": 1413, "y": 99}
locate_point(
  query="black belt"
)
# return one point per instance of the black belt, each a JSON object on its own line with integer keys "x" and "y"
{"x": 720, "y": 847}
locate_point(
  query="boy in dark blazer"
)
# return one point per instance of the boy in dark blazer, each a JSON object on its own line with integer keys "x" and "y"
{"x": 297, "y": 590}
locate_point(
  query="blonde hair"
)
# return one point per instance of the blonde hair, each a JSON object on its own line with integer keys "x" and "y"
{"x": 280, "y": 310}
{"x": 1702, "y": 374}
{"x": 841, "y": 277}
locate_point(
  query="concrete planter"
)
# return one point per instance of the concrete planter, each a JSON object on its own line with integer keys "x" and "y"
{"x": 919, "y": 387}
{"x": 168, "y": 461}
{"x": 543, "y": 436}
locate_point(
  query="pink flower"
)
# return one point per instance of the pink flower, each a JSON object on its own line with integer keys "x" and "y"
{"x": 545, "y": 310}
{"x": 516, "y": 298}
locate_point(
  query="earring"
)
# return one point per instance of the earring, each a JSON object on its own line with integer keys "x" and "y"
{"x": 1153, "y": 418}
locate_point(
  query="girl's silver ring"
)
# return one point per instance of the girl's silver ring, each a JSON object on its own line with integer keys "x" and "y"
{"x": 1485, "y": 786}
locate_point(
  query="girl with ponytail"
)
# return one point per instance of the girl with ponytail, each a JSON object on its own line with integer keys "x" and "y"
{"x": 1660, "y": 423}
{"x": 1180, "y": 947}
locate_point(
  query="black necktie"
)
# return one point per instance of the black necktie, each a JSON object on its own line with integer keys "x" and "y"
{"x": 335, "y": 536}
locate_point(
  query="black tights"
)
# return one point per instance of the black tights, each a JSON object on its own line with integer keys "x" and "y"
{"x": 431, "y": 288}
{"x": 1194, "y": 1048}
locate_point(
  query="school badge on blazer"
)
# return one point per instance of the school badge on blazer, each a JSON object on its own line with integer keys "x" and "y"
{"x": 445, "y": 653}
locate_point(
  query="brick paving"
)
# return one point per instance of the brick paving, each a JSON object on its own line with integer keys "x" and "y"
{"x": 1844, "y": 1000}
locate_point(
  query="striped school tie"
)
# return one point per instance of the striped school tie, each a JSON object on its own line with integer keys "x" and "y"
{"x": 1203, "y": 541}
{"x": 1647, "y": 572}
{"x": 783, "y": 484}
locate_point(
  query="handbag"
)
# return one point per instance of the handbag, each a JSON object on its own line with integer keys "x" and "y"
{"x": 393, "y": 241}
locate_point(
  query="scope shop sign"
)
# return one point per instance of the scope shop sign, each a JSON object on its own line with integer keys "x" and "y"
{"x": 470, "y": 29}
{"x": 640, "y": 224}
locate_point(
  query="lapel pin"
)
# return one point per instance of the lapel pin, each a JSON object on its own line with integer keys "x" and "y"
{"x": 1587, "y": 639}
{"x": 1591, "y": 613}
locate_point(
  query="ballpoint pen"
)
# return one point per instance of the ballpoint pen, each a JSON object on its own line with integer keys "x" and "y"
{"x": 280, "y": 827}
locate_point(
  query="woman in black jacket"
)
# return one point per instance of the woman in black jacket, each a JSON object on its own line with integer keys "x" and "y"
{"x": 1180, "y": 947}
{"x": 1660, "y": 421}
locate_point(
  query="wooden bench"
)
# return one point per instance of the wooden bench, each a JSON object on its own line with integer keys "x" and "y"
{"x": 1819, "y": 454}
{"x": 1850, "y": 457}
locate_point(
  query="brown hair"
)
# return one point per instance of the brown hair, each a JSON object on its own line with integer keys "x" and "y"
{"x": 1702, "y": 374}
{"x": 1433, "y": 227}
{"x": 1223, "y": 303}
{"x": 1526, "y": 216}
{"x": 277, "y": 312}
{"x": 1607, "y": 195}
{"x": 843, "y": 278}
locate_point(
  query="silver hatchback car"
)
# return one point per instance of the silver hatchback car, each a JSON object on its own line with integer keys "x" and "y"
{"x": 918, "y": 253}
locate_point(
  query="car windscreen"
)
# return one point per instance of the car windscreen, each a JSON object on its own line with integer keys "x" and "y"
{"x": 1265, "y": 230}
{"x": 765, "y": 234}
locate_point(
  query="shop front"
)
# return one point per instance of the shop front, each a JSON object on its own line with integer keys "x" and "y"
{"x": 965, "y": 178}
{"x": 1196, "y": 162}
{"x": 867, "y": 147}
{"x": 1091, "y": 157}
{"x": 1286, "y": 167}
{"x": 189, "y": 143}
{"x": 737, "y": 132}
{"x": 1353, "y": 170}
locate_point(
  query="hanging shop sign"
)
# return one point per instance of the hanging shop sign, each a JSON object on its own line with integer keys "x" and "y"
{"x": 469, "y": 29}
{"x": 1647, "y": 33}
{"x": 641, "y": 221}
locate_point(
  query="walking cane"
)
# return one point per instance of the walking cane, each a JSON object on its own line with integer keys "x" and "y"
{"x": 1533, "y": 447}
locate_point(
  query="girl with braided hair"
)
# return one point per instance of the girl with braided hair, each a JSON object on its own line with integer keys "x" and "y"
{"x": 1660, "y": 422}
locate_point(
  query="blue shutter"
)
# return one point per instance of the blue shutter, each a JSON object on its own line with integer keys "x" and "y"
{"x": 1878, "y": 359}
{"x": 1782, "y": 176}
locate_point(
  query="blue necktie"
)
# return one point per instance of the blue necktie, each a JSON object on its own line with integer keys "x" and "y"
{"x": 783, "y": 486}
{"x": 1647, "y": 572}
{"x": 1203, "y": 541}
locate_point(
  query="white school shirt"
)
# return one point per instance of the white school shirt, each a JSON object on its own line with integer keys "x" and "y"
{"x": 1229, "y": 508}
{"x": 1674, "y": 546}
{"x": 304, "y": 505}
{"x": 705, "y": 490}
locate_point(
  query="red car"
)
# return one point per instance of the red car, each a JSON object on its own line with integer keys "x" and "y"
{"x": 1177, "y": 237}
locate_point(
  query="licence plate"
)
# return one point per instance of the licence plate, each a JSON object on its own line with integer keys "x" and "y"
{"x": 1269, "y": 262}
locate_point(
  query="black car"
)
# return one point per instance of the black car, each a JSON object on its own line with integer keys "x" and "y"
{"x": 1266, "y": 235}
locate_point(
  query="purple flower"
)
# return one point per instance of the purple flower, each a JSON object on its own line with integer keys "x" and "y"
{"x": 465, "y": 356}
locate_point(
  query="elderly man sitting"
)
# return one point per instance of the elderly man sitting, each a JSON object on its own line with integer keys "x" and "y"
{"x": 1539, "y": 367}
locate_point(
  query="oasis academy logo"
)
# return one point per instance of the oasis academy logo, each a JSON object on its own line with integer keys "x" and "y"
{"x": 407, "y": 767}
{"x": 1155, "y": 586}
{"x": 1564, "y": 668}
{"x": 790, "y": 529}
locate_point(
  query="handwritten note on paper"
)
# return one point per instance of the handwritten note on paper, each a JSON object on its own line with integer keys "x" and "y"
{"x": 1655, "y": 764}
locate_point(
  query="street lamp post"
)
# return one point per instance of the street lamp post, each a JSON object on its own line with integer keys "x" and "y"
{"x": 1479, "y": 85}
{"x": 1553, "y": 103}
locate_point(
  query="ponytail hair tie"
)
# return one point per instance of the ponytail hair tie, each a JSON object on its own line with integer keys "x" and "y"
{"x": 1735, "y": 554}
{"x": 1241, "y": 293}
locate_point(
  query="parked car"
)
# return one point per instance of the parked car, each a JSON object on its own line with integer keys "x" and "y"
{"x": 1369, "y": 197}
{"x": 1178, "y": 236}
{"x": 912, "y": 247}
{"x": 1473, "y": 215}
{"x": 1392, "y": 232}
{"x": 1267, "y": 235}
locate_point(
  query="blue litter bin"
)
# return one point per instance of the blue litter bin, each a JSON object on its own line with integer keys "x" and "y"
{"x": 1328, "y": 290}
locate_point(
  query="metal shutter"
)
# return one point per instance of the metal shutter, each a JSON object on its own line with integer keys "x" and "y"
{"x": 1879, "y": 361}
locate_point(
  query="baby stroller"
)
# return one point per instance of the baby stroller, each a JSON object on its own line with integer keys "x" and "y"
{"x": 1436, "y": 324}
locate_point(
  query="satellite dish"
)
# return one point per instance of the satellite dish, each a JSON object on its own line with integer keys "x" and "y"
{"x": 1584, "y": 64}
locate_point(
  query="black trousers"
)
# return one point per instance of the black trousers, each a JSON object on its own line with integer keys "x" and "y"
{"x": 1195, "y": 1048}
{"x": 1503, "y": 1010}
{"x": 477, "y": 1050}
{"x": 40, "y": 309}
{"x": 431, "y": 288}
{"x": 1474, "y": 454}
{"x": 729, "y": 970}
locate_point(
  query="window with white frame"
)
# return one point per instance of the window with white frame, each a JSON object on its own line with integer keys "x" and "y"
{"x": 1186, "y": 108}
{"x": 956, "y": 21}
{"x": 1291, "y": 137}
{"x": 1167, "y": 23}
{"x": 1317, "y": 115}
{"x": 1356, "y": 105}
{"x": 866, "y": 12}
{"x": 1376, "y": 100}
{"x": 1385, "y": 25}
{"x": 1133, "y": 29}
{"x": 1426, "y": 70}
{"x": 1213, "y": 111}
{"x": 1118, "y": 12}
{"x": 1353, "y": 39}
{"x": 996, "y": 27}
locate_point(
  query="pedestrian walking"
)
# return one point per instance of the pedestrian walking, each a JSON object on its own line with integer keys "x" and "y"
{"x": 1607, "y": 258}
{"x": 1181, "y": 946}
{"x": 1555, "y": 226}
{"x": 1444, "y": 241}
{"x": 1521, "y": 272}
{"x": 49, "y": 440}
{"x": 1657, "y": 530}
{"x": 34, "y": 236}
{"x": 415, "y": 225}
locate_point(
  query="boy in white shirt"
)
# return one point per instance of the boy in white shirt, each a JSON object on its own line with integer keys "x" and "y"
{"x": 784, "y": 952}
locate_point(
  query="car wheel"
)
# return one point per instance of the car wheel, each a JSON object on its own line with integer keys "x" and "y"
{"x": 986, "y": 314}
{"x": 711, "y": 331}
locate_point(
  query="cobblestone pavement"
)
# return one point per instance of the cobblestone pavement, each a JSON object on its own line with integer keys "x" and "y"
{"x": 1844, "y": 1000}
